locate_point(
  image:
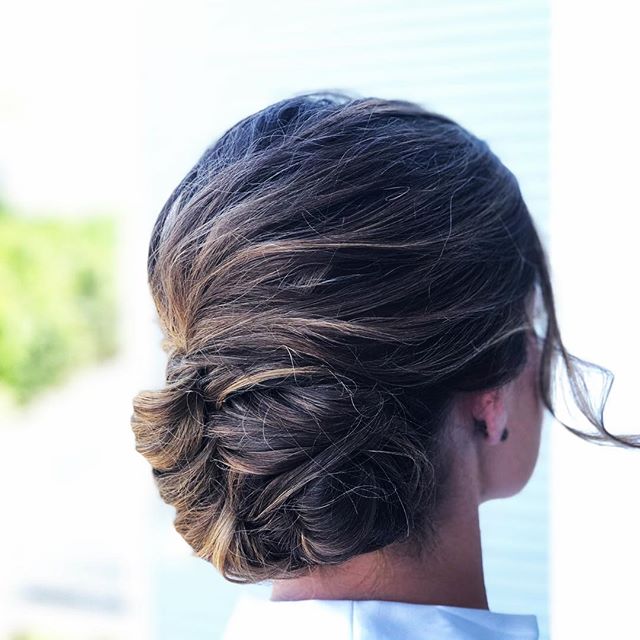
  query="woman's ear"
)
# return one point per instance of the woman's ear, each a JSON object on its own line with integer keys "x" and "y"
{"x": 490, "y": 408}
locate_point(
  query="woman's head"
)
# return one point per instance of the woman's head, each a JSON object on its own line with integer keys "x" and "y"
{"x": 335, "y": 279}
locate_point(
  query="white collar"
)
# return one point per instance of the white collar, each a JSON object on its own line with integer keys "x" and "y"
{"x": 258, "y": 617}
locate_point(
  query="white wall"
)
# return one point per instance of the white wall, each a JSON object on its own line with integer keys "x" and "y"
{"x": 595, "y": 136}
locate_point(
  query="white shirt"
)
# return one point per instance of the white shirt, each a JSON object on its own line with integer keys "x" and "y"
{"x": 263, "y": 619}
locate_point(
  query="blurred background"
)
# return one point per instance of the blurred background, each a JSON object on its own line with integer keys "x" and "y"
{"x": 103, "y": 109}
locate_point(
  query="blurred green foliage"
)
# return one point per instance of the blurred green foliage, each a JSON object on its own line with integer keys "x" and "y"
{"x": 57, "y": 299}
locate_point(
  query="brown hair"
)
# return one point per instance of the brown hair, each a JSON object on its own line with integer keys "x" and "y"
{"x": 328, "y": 276}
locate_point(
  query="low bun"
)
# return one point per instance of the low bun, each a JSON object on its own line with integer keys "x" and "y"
{"x": 283, "y": 477}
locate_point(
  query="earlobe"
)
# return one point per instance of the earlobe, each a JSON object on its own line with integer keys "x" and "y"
{"x": 490, "y": 418}
{"x": 481, "y": 427}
